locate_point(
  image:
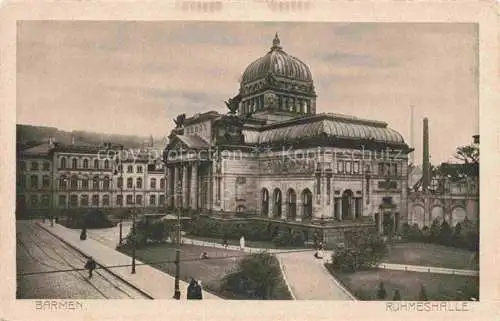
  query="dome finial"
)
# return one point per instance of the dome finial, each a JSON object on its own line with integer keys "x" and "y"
{"x": 276, "y": 42}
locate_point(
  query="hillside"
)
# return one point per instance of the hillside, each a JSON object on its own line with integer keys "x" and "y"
{"x": 28, "y": 135}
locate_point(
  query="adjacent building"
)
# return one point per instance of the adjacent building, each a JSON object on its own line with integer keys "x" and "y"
{"x": 54, "y": 177}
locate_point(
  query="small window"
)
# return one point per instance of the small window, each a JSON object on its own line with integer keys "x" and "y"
{"x": 63, "y": 162}
{"x": 348, "y": 167}
{"x": 119, "y": 200}
{"x": 96, "y": 163}
{"x": 129, "y": 200}
{"x": 74, "y": 163}
{"x": 105, "y": 200}
{"x": 162, "y": 200}
{"x": 356, "y": 167}
{"x": 95, "y": 182}
{"x": 74, "y": 201}
{"x": 153, "y": 183}
{"x": 340, "y": 166}
{"x": 85, "y": 163}
{"x": 46, "y": 166}
{"x": 130, "y": 182}
{"x": 138, "y": 183}
{"x": 95, "y": 200}
{"x": 106, "y": 183}
{"x": 34, "y": 166}
{"x": 139, "y": 169}
{"x": 85, "y": 183}
{"x": 45, "y": 200}
{"x": 120, "y": 182}
{"x": 152, "y": 200}
{"x": 106, "y": 164}
{"x": 74, "y": 182}
{"x": 130, "y": 169}
{"x": 241, "y": 180}
{"x": 62, "y": 200}
{"x": 138, "y": 199}
{"x": 34, "y": 181}
{"x": 162, "y": 183}
{"x": 84, "y": 200}
{"x": 46, "y": 181}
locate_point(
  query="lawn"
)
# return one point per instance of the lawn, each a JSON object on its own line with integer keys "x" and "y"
{"x": 431, "y": 255}
{"x": 439, "y": 287}
{"x": 210, "y": 271}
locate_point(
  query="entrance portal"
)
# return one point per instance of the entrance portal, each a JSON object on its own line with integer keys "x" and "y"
{"x": 265, "y": 202}
{"x": 277, "y": 203}
{"x": 347, "y": 204}
{"x": 307, "y": 204}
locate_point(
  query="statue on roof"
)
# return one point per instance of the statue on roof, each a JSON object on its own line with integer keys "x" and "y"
{"x": 179, "y": 121}
{"x": 233, "y": 104}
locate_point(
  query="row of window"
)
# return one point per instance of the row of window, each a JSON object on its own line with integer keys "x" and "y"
{"x": 34, "y": 166}
{"x": 94, "y": 183}
{"x": 284, "y": 103}
{"x": 94, "y": 200}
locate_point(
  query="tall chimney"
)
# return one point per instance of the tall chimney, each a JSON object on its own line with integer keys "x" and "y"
{"x": 425, "y": 162}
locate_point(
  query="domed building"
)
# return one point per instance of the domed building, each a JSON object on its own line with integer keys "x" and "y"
{"x": 273, "y": 158}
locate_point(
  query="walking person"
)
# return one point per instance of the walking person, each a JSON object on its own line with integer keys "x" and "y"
{"x": 90, "y": 266}
{"x": 242, "y": 243}
{"x": 224, "y": 240}
{"x": 194, "y": 290}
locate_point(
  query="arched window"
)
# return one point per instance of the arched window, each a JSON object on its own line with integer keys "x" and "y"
{"x": 120, "y": 182}
{"x": 106, "y": 164}
{"x": 46, "y": 181}
{"x": 63, "y": 162}
{"x": 74, "y": 182}
{"x": 162, "y": 183}
{"x": 152, "y": 200}
{"x": 138, "y": 199}
{"x": 74, "y": 163}
{"x": 106, "y": 183}
{"x": 138, "y": 183}
{"x": 95, "y": 182}
{"x": 85, "y": 163}
{"x": 96, "y": 163}
{"x": 130, "y": 182}
{"x": 34, "y": 181}
{"x": 153, "y": 183}
{"x": 85, "y": 183}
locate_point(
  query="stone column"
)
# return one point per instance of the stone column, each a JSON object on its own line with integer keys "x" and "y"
{"x": 340, "y": 210}
{"x": 352, "y": 208}
{"x": 185, "y": 198}
{"x": 299, "y": 209}
{"x": 176, "y": 185}
{"x": 284, "y": 207}
{"x": 270, "y": 214}
{"x": 194, "y": 186}
{"x": 168, "y": 189}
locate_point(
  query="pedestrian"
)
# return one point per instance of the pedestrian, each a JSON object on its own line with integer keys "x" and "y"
{"x": 242, "y": 243}
{"x": 204, "y": 255}
{"x": 192, "y": 290}
{"x": 224, "y": 240}
{"x": 90, "y": 266}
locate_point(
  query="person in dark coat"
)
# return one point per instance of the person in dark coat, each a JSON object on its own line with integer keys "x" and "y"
{"x": 194, "y": 290}
{"x": 90, "y": 266}
{"x": 224, "y": 240}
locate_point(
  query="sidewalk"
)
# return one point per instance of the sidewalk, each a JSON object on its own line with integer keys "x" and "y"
{"x": 154, "y": 283}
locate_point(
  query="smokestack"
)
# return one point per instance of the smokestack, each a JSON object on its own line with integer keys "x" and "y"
{"x": 412, "y": 131}
{"x": 425, "y": 163}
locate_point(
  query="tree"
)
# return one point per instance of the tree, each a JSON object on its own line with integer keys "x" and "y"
{"x": 397, "y": 296}
{"x": 381, "y": 293}
{"x": 257, "y": 276}
{"x": 422, "y": 295}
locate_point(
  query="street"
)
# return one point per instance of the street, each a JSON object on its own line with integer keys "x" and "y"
{"x": 39, "y": 251}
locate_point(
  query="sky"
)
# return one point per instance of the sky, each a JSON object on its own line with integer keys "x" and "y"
{"x": 135, "y": 77}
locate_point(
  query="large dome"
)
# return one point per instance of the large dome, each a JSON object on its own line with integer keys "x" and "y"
{"x": 278, "y": 63}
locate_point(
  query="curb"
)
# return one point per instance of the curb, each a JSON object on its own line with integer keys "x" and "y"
{"x": 102, "y": 266}
{"x": 349, "y": 294}
{"x": 283, "y": 272}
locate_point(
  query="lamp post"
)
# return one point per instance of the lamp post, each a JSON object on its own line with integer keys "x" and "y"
{"x": 177, "y": 291}
{"x": 134, "y": 233}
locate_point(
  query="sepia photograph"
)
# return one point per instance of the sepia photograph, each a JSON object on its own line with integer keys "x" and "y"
{"x": 247, "y": 160}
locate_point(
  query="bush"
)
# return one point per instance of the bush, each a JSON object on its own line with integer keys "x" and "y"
{"x": 258, "y": 276}
{"x": 283, "y": 238}
{"x": 364, "y": 250}
{"x": 381, "y": 293}
{"x": 422, "y": 295}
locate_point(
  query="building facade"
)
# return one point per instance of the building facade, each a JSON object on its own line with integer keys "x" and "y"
{"x": 54, "y": 178}
{"x": 273, "y": 157}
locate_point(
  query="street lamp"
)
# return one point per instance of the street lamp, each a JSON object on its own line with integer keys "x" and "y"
{"x": 177, "y": 291}
{"x": 134, "y": 233}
